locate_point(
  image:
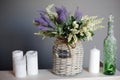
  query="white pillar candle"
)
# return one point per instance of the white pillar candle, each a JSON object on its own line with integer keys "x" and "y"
{"x": 20, "y": 67}
{"x": 94, "y": 64}
{"x": 32, "y": 62}
{"x": 17, "y": 54}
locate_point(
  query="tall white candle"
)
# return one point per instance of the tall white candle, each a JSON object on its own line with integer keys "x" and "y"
{"x": 32, "y": 62}
{"x": 20, "y": 67}
{"x": 17, "y": 54}
{"x": 94, "y": 64}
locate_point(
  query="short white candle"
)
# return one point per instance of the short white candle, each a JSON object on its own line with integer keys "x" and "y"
{"x": 20, "y": 67}
{"x": 16, "y": 54}
{"x": 32, "y": 62}
{"x": 94, "y": 64}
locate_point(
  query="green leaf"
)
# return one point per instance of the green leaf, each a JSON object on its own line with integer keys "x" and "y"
{"x": 72, "y": 18}
{"x": 92, "y": 34}
{"x": 69, "y": 37}
{"x": 75, "y": 38}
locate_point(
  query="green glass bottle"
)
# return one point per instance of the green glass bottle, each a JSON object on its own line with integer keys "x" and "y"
{"x": 110, "y": 47}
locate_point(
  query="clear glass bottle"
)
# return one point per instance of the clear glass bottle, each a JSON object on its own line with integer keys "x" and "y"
{"x": 110, "y": 47}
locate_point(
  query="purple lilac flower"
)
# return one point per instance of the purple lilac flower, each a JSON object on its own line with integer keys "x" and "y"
{"x": 42, "y": 12}
{"x": 77, "y": 14}
{"x": 41, "y": 27}
{"x": 62, "y": 14}
{"x": 41, "y": 21}
{"x": 48, "y": 21}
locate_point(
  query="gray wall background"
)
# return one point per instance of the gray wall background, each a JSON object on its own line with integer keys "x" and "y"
{"x": 16, "y": 28}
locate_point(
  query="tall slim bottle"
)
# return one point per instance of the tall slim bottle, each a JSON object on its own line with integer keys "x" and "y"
{"x": 110, "y": 48}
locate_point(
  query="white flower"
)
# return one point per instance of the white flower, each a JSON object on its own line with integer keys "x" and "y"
{"x": 75, "y": 25}
{"x": 74, "y": 31}
{"x": 82, "y": 34}
{"x": 48, "y": 10}
{"x": 85, "y": 29}
{"x": 85, "y": 17}
{"x": 89, "y": 36}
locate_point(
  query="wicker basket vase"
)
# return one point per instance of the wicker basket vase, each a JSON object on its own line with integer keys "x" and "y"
{"x": 67, "y": 60}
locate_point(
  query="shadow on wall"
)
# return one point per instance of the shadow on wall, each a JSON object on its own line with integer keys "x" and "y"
{"x": 10, "y": 40}
{"x": 19, "y": 39}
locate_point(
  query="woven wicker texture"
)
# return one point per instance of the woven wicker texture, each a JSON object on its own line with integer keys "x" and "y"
{"x": 67, "y": 61}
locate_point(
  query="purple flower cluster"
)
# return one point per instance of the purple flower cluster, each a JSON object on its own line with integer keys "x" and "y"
{"x": 62, "y": 14}
{"x": 77, "y": 14}
{"x": 45, "y": 23}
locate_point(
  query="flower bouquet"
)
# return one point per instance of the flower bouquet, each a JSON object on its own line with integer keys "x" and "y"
{"x": 68, "y": 30}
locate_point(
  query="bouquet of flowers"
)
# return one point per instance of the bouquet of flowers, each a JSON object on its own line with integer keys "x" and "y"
{"x": 60, "y": 23}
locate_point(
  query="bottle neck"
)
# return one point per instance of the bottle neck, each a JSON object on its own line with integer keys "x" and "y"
{"x": 110, "y": 28}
